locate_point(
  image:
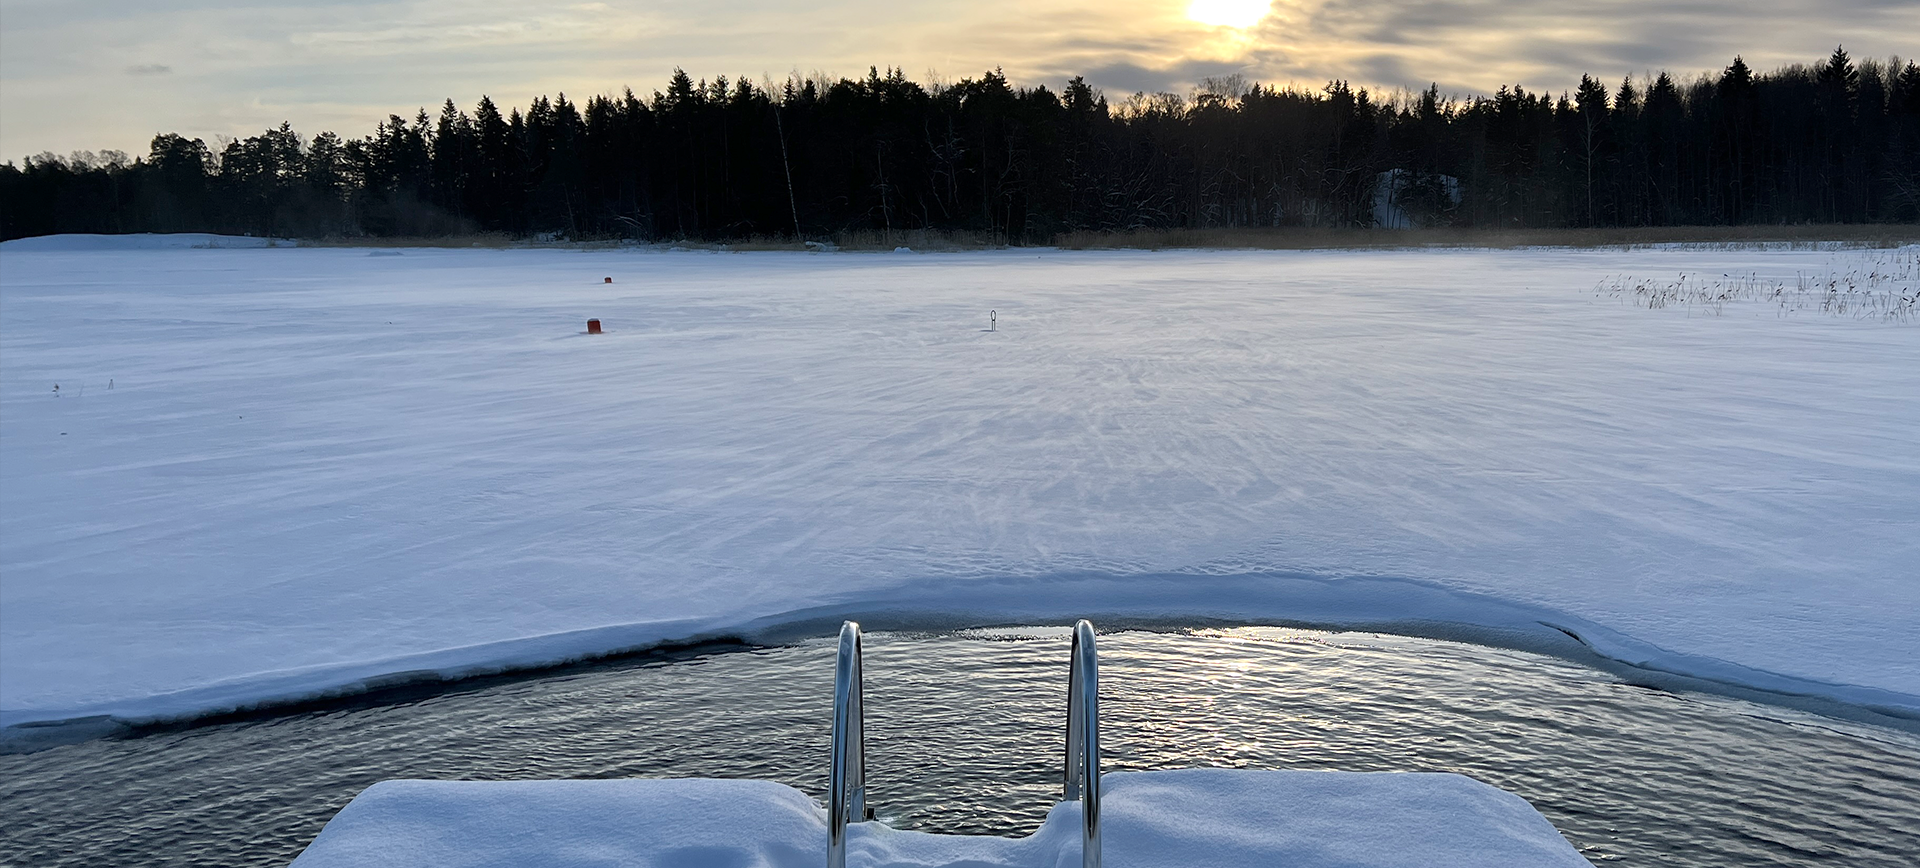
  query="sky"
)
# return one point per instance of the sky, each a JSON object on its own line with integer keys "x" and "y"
{"x": 109, "y": 74}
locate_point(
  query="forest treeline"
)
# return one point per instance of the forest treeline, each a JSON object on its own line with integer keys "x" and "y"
{"x": 1832, "y": 142}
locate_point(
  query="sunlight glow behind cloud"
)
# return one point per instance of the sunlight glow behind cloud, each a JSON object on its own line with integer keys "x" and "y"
{"x": 89, "y": 75}
{"x": 1229, "y": 13}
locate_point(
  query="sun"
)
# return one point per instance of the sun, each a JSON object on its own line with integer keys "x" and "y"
{"x": 1229, "y": 13}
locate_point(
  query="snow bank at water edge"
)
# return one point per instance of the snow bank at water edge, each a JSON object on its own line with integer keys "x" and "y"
{"x": 1199, "y": 817}
{"x": 140, "y": 241}
{"x": 269, "y": 475}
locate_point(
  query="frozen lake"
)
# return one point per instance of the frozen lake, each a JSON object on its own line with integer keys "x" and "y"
{"x": 277, "y": 471}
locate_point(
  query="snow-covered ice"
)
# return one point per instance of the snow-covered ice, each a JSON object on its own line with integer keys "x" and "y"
{"x": 316, "y": 467}
{"x": 1198, "y": 817}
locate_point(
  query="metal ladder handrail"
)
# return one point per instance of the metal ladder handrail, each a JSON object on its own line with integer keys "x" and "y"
{"x": 1083, "y": 740}
{"x": 847, "y": 780}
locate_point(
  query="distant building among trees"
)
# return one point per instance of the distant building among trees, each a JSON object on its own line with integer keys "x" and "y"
{"x": 1836, "y": 142}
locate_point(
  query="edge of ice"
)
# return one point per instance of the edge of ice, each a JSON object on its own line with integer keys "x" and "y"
{"x": 1145, "y": 601}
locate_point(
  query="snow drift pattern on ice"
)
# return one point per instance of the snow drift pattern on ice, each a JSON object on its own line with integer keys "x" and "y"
{"x": 317, "y": 467}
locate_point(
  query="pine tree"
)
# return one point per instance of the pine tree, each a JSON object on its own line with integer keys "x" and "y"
{"x": 1594, "y": 140}
{"x": 1735, "y": 134}
{"x": 453, "y": 149}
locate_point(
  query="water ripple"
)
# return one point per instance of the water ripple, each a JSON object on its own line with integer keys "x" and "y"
{"x": 965, "y": 736}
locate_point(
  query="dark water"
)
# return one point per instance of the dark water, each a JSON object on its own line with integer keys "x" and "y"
{"x": 965, "y": 736}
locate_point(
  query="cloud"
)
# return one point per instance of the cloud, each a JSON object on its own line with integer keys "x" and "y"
{"x": 1480, "y": 44}
{"x": 149, "y": 69}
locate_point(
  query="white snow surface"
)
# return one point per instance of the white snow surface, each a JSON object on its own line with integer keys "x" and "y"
{"x": 1198, "y": 817}
{"x": 315, "y": 468}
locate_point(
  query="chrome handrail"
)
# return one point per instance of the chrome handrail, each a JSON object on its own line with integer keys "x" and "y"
{"x": 847, "y": 781}
{"x": 1083, "y": 740}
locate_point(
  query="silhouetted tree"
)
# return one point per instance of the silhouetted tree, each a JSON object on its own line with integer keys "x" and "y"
{"x": 721, "y": 158}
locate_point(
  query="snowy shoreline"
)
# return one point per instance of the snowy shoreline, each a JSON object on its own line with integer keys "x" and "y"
{"x": 1360, "y": 241}
{"x": 1342, "y": 604}
{"x": 275, "y": 474}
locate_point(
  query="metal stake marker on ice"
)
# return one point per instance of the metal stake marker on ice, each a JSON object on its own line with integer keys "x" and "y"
{"x": 847, "y": 780}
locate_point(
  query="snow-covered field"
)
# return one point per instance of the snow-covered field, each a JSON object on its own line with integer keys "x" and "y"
{"x": 274, "y": 471}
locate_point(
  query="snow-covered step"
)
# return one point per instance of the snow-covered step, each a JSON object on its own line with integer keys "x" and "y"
{"x": 1193, "y": 817}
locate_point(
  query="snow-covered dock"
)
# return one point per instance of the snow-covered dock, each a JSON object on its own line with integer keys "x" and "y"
{"x": 1197, "y": 817}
